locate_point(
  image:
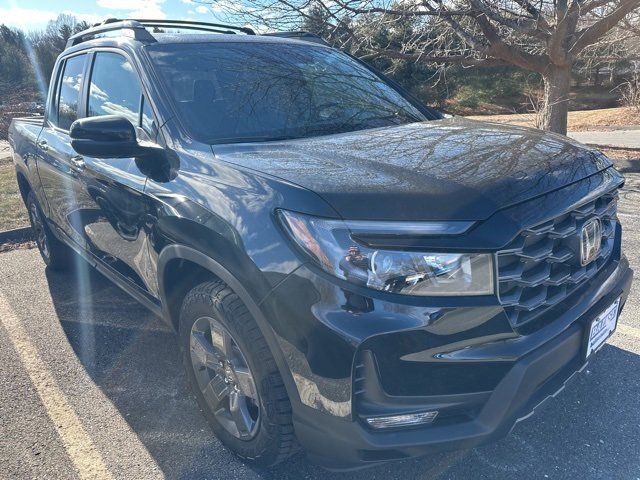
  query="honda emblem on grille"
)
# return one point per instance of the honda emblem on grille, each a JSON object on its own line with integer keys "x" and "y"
{"x": 590, "y": 241}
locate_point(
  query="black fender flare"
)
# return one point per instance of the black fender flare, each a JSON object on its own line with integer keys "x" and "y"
{"x": 183, "y": 252}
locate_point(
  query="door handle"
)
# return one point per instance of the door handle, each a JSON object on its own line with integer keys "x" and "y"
{"x": 77, "y": 162}
{"x": 43, "y": 145}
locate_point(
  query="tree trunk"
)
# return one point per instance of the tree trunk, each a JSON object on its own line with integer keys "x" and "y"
{"x": 557, "y": 82}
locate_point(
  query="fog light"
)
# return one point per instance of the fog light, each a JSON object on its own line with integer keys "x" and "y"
{"x": 405, "y": 420}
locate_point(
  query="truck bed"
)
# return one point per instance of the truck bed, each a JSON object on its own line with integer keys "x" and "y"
{"x": 32, "y": 120}
{"x": 23, "y": 135}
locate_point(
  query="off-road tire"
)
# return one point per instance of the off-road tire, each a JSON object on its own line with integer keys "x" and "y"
{"x": 56, "y": 255}
{"x": 275, "y": 439}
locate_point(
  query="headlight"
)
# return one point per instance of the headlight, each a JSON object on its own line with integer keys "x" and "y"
{"x": 331, "y": 245}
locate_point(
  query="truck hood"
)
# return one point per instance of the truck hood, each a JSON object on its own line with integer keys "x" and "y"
{"x": 451, "y": 169}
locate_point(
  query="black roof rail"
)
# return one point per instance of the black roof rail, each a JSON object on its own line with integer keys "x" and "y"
{"x": 130, "y": 28}
{"x": 191, "y": 25}
{"x": 137, "y": 29}
{"x": 300, "y": 35}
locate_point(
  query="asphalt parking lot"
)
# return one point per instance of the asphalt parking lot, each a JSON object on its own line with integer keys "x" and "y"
{"x": 91, "y": 386}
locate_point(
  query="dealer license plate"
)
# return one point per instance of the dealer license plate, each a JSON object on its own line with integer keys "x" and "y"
{"x": 602, "y": 327}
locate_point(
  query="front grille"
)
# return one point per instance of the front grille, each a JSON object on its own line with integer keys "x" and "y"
{"x": 541, "y": 267}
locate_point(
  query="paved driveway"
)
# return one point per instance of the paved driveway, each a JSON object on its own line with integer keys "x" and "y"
{"x": 629, "y": 138}
{"x": 91, "y": 385}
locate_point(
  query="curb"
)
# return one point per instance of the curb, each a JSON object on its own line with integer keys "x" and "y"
{"x": 611, "y": 147}
{"x": 17, "y": 235}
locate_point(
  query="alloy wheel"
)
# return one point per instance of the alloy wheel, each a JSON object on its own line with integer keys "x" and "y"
{"x": 39, "y": 230}
{"x": 224, "y": 378}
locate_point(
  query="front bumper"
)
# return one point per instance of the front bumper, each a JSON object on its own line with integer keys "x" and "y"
{"x": 347, "y": 365}
{"x": 530, "y": 380}
{"x": 345, "y": 445}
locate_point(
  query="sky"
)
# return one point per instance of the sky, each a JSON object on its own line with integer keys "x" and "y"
{"x": 34, "y": 14}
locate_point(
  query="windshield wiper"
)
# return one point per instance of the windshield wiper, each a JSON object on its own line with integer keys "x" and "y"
{"x": 253, "y": 139}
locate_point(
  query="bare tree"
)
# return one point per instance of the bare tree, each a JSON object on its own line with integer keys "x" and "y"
{"x": 543, "y": 36}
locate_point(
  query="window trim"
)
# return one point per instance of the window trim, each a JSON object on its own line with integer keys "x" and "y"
{"x": 52, "y": 109}
{"x": 144, "y": 100}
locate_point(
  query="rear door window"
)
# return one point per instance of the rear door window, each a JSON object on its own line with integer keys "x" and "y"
{"x": 70, "y": 88}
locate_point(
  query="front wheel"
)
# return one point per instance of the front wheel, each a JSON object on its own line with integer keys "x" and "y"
{"x": 234, "y": 376}
{"x": 56, "y": 255}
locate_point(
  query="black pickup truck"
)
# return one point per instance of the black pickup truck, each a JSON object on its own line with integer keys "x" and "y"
{"x": 349, "y": 271}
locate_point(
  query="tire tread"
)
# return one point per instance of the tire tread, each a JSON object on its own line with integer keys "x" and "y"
{"x": 219, "y": 295}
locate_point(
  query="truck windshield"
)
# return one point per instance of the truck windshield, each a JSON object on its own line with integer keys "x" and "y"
{"x": 247, "y": 92}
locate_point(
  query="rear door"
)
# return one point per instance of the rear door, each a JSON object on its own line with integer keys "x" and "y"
{"x": 57, "y": 161}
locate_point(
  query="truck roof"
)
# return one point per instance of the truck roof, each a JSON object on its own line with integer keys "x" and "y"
{"x": 155, "y": 31}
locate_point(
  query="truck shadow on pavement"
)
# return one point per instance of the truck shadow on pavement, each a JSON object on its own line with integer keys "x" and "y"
{"x": 630, "y": 166}
{"x": 590, "y": 431}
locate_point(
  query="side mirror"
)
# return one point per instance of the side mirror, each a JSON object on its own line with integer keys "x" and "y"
{"x": 109, "y": 136}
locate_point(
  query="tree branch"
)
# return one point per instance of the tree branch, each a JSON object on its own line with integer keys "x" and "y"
{"x": 524, "y": 25}
{"x": 499, "y": 49}
{"x": 593, "y": 33}
{"x": 462, "y": 60}
{"x": 399, "y": 13}
{"x": 529, "y": 8}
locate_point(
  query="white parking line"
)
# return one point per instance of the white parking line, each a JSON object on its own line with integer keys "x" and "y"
{"x": 78, "y": 444}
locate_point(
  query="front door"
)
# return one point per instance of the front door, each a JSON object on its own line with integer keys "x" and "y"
{"x": 114, "y": 221}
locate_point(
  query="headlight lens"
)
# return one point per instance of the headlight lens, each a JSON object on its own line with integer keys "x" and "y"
{"x": 330, "y": 244}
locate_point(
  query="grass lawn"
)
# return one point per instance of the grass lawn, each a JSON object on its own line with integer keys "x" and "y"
{"x": 12, "y": 211}
{"x": 579, "y": 121}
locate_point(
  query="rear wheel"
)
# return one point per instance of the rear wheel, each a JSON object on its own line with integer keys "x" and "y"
{"x": 55, "y": 254}
{"x": 234, "y": 376}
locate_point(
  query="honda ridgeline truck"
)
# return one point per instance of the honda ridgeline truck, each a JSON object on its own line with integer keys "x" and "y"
{"x": 350, "y": 272}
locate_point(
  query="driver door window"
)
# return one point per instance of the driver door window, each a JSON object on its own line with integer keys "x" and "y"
{"x": 115, "y": 90}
